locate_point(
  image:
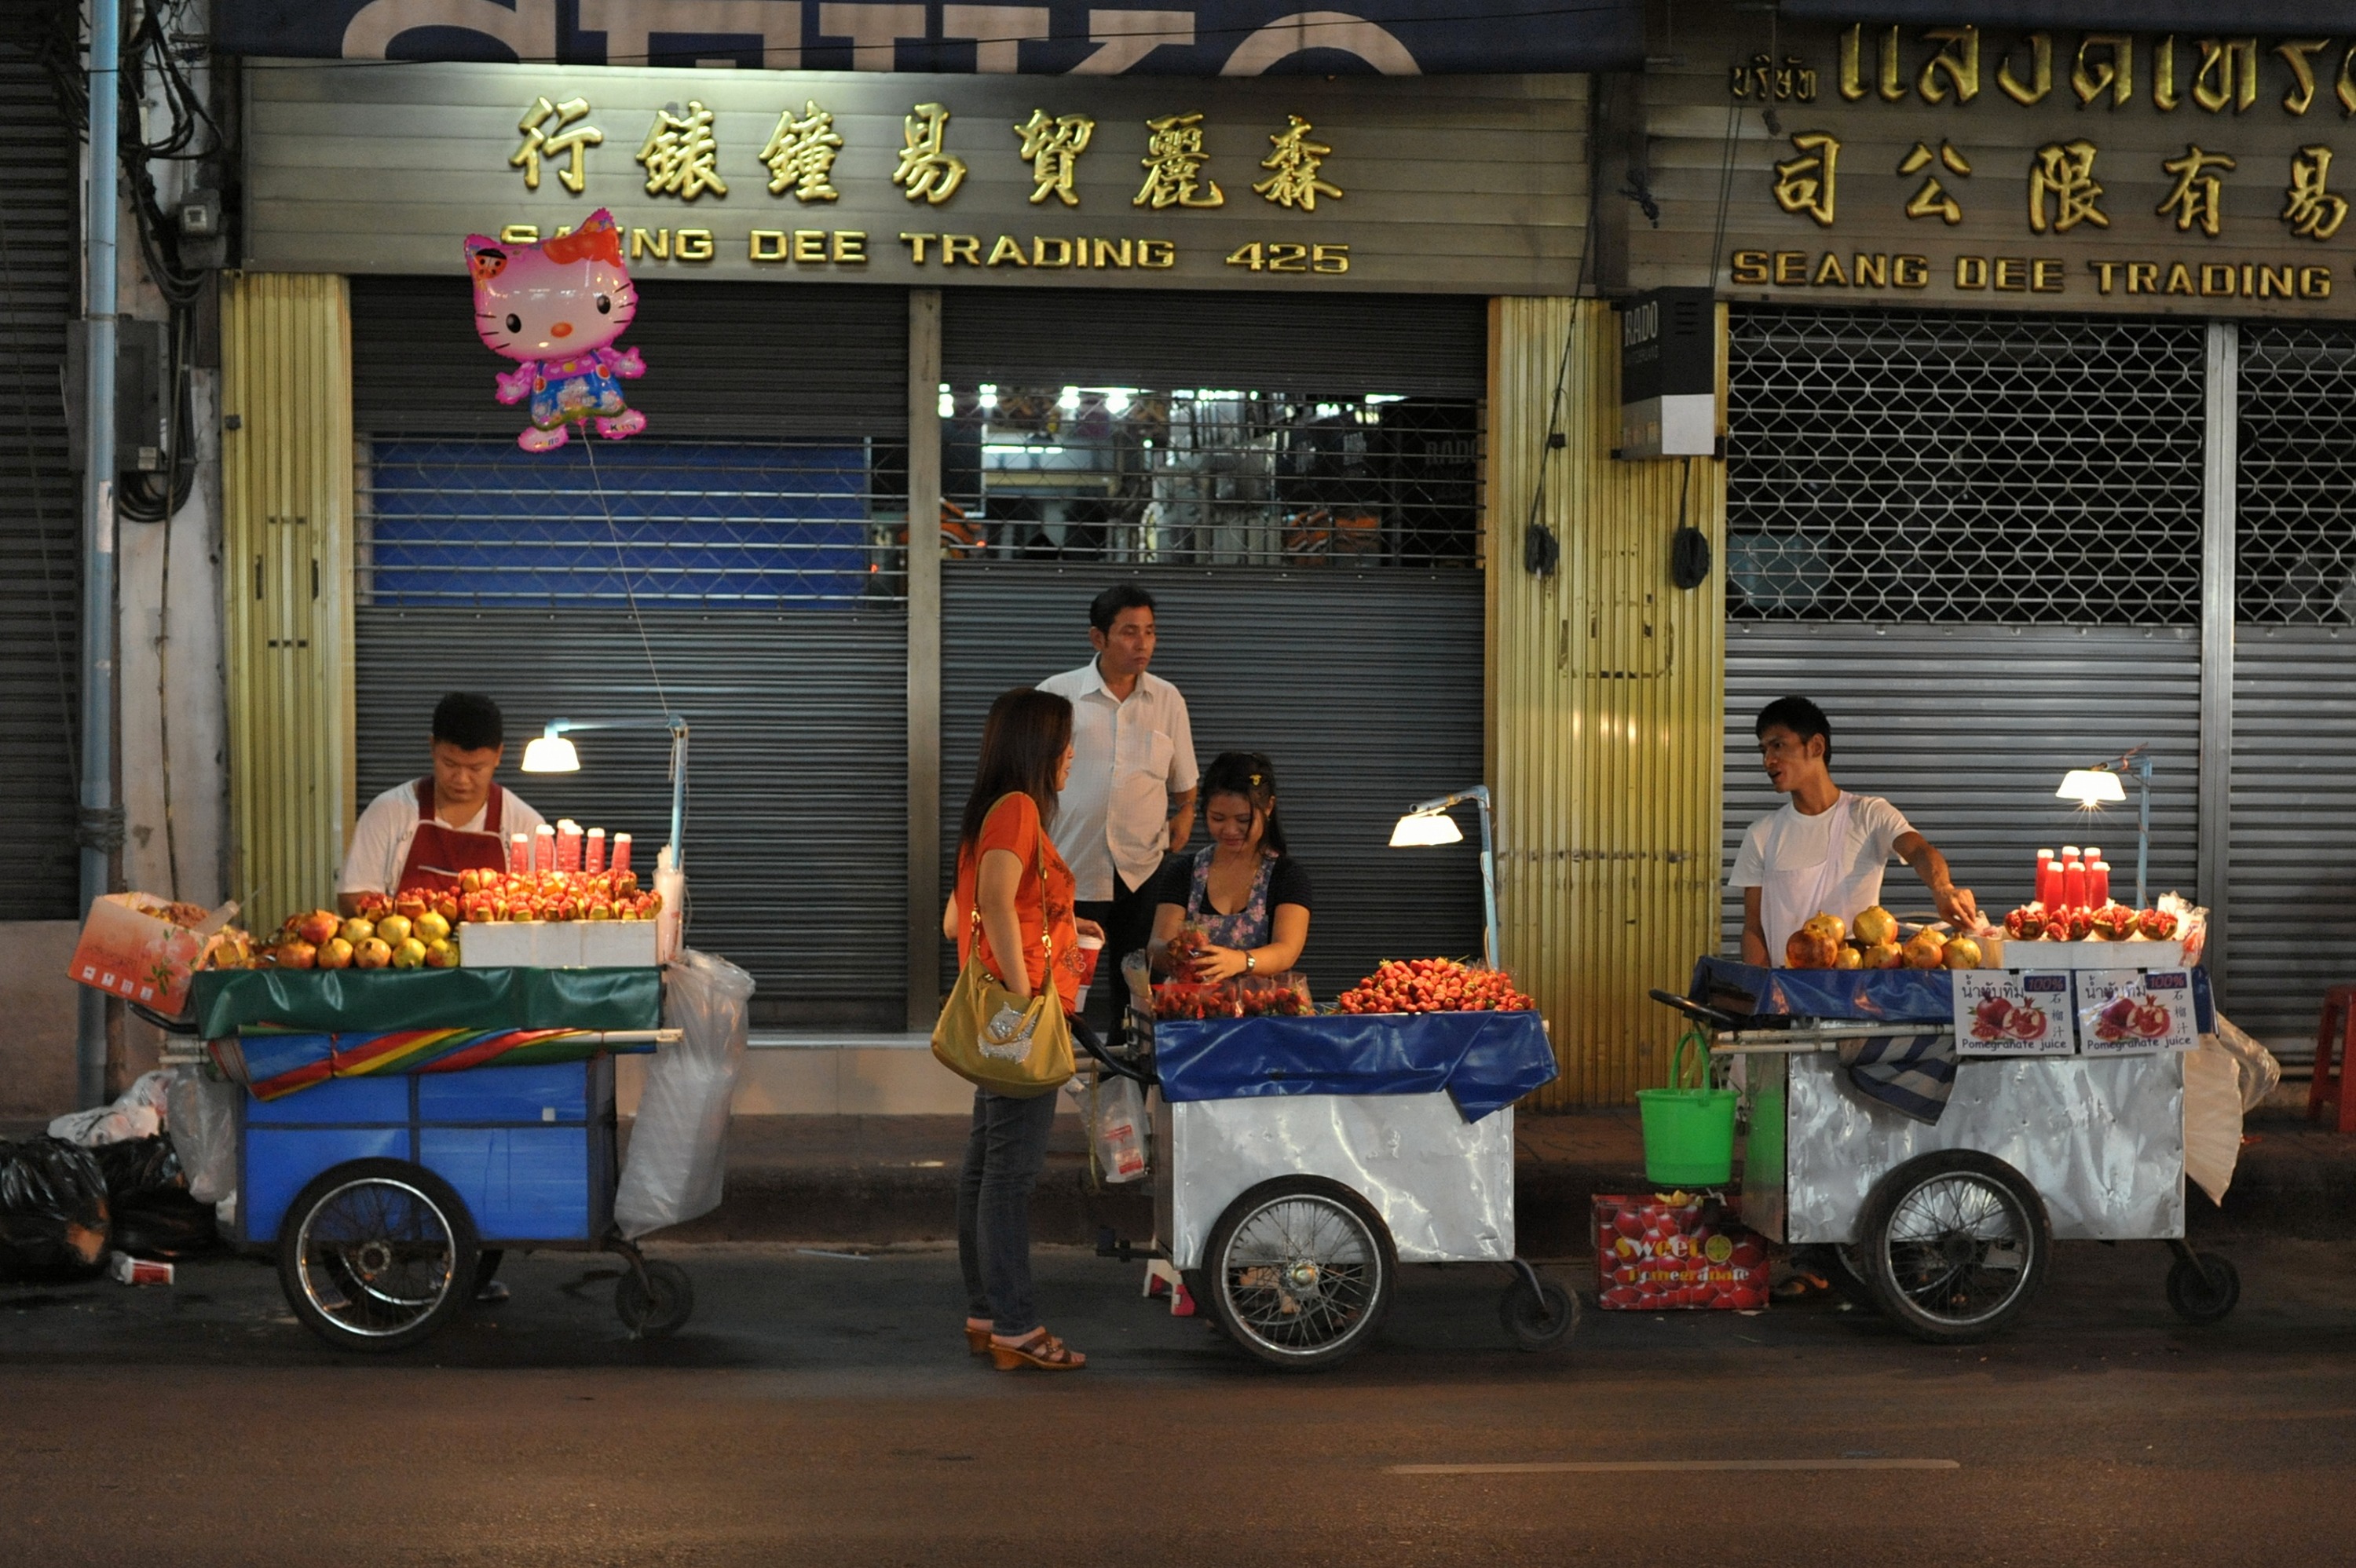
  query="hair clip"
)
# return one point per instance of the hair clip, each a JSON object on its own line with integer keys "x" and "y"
{"x": 1255, "y": 781}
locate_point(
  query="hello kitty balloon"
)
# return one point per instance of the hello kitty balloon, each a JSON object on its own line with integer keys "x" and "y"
{"x": 557, "y": 307}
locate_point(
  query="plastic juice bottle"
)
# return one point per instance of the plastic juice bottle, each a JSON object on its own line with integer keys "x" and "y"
{"x": 2098, "y": 885}
{"x": 2049, "y": 889}
{"x": 2073, "y": 883}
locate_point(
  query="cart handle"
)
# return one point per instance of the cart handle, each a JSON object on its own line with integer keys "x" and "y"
{"x": 169, "y": 1024}
{"x": 1089, "y": 1042}
{"x": 1694, "y": 1010}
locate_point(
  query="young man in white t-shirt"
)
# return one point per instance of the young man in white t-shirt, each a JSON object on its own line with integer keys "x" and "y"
{"x": 1826, "y": 849}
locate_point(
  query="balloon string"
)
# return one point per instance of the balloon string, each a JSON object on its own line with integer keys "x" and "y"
{"x": 622, "y": 564}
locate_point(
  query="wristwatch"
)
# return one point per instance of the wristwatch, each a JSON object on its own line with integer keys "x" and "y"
{"x": 1251, "y": 962}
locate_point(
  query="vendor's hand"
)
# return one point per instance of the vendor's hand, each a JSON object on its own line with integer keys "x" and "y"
{"x": 1213, "y": 964}
{"x": 1089, "y": 928}
{"x": 1958, "y": 908}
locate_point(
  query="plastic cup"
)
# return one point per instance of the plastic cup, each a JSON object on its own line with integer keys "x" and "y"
{"x": 1091, "y": 950}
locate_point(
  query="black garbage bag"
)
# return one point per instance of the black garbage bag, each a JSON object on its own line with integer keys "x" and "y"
{"x": 53, "y": 1209}
{"x": 147, "y": 1194}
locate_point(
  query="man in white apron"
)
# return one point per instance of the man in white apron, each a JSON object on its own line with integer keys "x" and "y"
{"x": 1825, "y": 852}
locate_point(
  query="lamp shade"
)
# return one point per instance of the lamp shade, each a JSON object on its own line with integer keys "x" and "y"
{"x": 550, "y": 754}
{"x": 1419, "y": 830}
{"x": 2092, "y": 786}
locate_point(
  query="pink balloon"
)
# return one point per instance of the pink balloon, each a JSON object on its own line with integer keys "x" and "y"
{"x": 555, "y": 308}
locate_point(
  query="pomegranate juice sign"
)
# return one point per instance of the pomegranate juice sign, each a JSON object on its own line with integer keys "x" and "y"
{"x": 2124, "y": 1010}
{"x": 2013, "y": 1012}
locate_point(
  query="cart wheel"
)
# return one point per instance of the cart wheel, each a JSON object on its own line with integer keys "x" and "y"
{"x": 1954, "y": 1244}
{"x": 2203, "y": 1287}
{"x": 377, "y": 1254}
{"x": 1849, "y": 1276}
{"x": 1537, "y": 1320}
{"x": 1300, "y": 1271}
{"x": 660, "y": 1305}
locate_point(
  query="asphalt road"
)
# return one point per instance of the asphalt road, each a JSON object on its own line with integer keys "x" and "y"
{"x": 823, "y": 1410}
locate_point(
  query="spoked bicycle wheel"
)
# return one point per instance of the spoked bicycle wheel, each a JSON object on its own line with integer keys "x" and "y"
{"x": 1955, "y": 1245}
{"x": 1300, "y": 1271}
{"x": 377, "y": 1254}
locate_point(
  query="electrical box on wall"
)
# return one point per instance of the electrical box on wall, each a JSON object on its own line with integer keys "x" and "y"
{"x": 142, "y": 397}
{"x": 1668, "y": 374}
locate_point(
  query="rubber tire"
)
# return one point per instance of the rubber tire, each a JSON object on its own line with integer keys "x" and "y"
{"x": 465, "y": 1245}
{"x": 661, "y": 1305}
{"x": 1541, "y": 1321}
{"x": 1212, "y": 1299}
{"x": 1848, "y": 1277}
{"x": 2203, "y": 1289}
{"x": 1873, "y": 1233}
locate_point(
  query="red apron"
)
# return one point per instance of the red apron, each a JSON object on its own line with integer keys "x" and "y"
{"x": 439, "y": 853}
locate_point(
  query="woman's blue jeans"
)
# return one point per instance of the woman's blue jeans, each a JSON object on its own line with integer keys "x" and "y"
{"x": 1004, "y": 1157}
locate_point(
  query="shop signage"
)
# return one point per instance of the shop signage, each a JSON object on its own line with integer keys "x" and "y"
{"x": 2122, "y": 1012}
{"x": 2014, "y": 1012}
{"x": 2012, "y": 167}
{"x": 1474, "y": 185}
{"x": 1668, "y": 375}
{"x": 1166, "y": 37}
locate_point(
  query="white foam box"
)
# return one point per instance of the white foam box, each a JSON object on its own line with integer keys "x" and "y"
{"x": 2020, "y": 955}
{"x": 557, "y": 944}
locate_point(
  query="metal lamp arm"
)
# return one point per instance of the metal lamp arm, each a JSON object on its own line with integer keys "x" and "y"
{"x": 676, "y": 724}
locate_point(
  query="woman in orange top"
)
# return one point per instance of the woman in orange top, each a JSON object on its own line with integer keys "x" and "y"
{"x": 1014, "y": 896}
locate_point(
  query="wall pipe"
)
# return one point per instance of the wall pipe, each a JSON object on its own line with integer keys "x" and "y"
{"x": 96, "y": 828}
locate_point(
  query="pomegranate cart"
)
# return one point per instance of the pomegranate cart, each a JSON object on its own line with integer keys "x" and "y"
{"x": 1946, "y": 1225}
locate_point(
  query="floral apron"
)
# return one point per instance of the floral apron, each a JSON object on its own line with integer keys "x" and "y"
{"x": 1249, "y": 926}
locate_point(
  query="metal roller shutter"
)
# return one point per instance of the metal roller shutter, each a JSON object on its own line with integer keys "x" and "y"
{"x": 798, "y": 789}
{"x": 1363, "y": 689}
{"x": 40, "y": 494}
{"x": 1969, "y": 729}
{"x": 1419, "y": 345}
{"x": 758, "y": 362}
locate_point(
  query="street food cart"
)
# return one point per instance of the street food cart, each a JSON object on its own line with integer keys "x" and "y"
{"x": 1946, "y": 1216}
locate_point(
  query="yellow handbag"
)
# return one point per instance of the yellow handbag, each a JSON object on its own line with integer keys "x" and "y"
{"x": 993, "y": 1039}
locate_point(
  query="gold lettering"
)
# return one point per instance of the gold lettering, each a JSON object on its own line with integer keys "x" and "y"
{"x": 1173, "y": 162}
{"x": 800, "y": 153}
{"x": 2163, "y": 74}
{"x": 1872, "y": 271}
{"x": 1958, "y": 60}
{"x": 2314, "y": 283}
{"x": 851, "y": 247}
{"x": 2115, "y": 70}
{"x": 1910, "y": 271}
{"x": 928, "y": 172}
{"x": 1971, "y": 271}
{"x": 1053, "y": 148}
{"x": 1828, "y": 271}
{"x": 1063, "y": 256}
{"x": 1293, "y": 180}
{"x": 1112, "y": 253}
{"x": 1805, "y": 184}
{"x": 2103, "y": 272}
{"x": 2299, "y": 55}
{"x": 966, "y": 248}
{"x": 2274, "y": 282}
{"x": 2143, "y": 277}
{"x": 563, "y": 139}
{"x": 2345, "y": 89}
{"x": 519, "y": 234}
{"x": 2065, "y": 173}
{"x": 1791, "y": 269}
{"x": 657, "y": 242}
{"x": 1750, "y": 266}
{"x": 2012, "y": 273}
{"x": 2040, "y": 72}
{"x": 810, "y": 244}
{"x": 2045, "y": 275}
{"x": 2180, "y": 279}
{"x": 681, "y": 155}
{"x": 1852, "y": 76}
{"x": 2199, "y": 196}
{"x": 1006, "y": 250}
{"x": 2228, "y": 74}
{"x": 1893, "y": 80}
{"x": 2217, "y": 280}
{"x": 917, "y": 241}
{"x": 692, "y": 244}
{"x": 2313, "y": 212}
{"x": 1157, "y": 253}
{"x": 769, "y": 245}
{"x": 1932, "y": 200}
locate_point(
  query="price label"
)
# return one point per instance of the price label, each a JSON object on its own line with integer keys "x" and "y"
{"x": 2013, "y": 1012}
{"x": 2124, "y": 1011}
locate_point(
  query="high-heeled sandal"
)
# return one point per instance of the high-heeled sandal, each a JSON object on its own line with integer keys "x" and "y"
{"x": 977, "y": 1340}
{"x": 1038, "y": 1348}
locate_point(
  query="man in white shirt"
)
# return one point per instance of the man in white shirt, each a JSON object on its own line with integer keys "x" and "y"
{"x": 421, "y": 832}
{"x": 1825, "y": 852}
{"x": 1131, "y": 797}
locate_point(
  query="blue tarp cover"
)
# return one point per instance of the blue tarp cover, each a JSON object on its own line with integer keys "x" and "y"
{"x": 1900, "y": 995}
{"x": 1486, "y": 1061}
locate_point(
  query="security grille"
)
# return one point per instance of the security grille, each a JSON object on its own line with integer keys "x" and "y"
{"x": 468, "y": 522}
{"x": 1926, "y": 467}
{"x": 1206, "y": 476}
{"x": 2296, "y": 545}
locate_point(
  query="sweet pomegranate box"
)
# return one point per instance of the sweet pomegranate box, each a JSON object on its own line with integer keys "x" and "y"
{"x": 1676, "y": 1252}
{"x": 142, "y": 948}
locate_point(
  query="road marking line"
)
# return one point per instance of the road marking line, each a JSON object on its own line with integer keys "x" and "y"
{"x": 1615, "y": 1466}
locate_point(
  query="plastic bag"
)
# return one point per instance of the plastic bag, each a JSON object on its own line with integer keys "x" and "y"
{"x": 138, "y": 1113}
{"x": 2213, "y": 1119}
{"x": 678, "y": 1163}
{"x": 53, "y": 1214}
{"x": 1112, "y": 1109}
{"x": 200, "y": 1117}
{"x": 150, "y": 1211}
{"x": 2261, "y": 1074}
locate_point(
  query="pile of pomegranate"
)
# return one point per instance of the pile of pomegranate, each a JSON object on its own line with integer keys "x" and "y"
{"x": 1824, "y": 942}
{"x": 2112, "y": 922}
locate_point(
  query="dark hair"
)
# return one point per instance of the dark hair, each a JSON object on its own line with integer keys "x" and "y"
{"x": 1801, "y": 717}
{"x": 470, "y": 721}
{"x": 1251, "y": 776}
{"x": 1107, "y": 606}
{"x": 1022, "y": 742}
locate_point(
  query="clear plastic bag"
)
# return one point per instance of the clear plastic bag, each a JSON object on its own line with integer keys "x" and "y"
{"x": 1113, "y": 1110}
{"x": 200, "y": 1114}
{"x": 138, "y": 1114}
{"x": 678, "y": 1163}
{"x": 2261, "y": 1074}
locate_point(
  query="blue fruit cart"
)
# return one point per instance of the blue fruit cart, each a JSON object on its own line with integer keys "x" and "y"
{"x": 398, "y": 1128}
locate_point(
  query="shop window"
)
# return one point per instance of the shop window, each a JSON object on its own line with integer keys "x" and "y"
{"x": 2295, "y": 558}
{"x": 1931, "y": 467}
{"x": 1210, "y": 476}
{"x": 479, "y": 522}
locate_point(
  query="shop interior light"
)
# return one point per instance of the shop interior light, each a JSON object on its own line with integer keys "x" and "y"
{"x": 2092, "y": 787}
{"x": 550, "y": 752}
{"x": 1427, "y": 824}
{"x": 2104, "y": 784}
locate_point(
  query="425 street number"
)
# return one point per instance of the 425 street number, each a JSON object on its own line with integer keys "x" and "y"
{"x": 1284, "y": 256}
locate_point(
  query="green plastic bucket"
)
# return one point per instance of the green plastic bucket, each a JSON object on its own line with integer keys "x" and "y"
{"x": 1688, "y": 1131}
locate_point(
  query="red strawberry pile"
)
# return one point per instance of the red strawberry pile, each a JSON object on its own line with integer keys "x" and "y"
{"x": 1434, "y": 985}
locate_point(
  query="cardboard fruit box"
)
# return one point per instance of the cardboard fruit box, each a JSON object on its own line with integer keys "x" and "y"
{"x": 141, "y": 956}
{"x": 558, "y": 944}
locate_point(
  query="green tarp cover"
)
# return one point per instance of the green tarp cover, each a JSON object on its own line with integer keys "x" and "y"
{"x": 330, "y": 1001}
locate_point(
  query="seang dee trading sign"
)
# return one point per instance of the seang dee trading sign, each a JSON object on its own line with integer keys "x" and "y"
{"x": 2013, "y": 1012}
{"x": 2122, "y": 1011}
